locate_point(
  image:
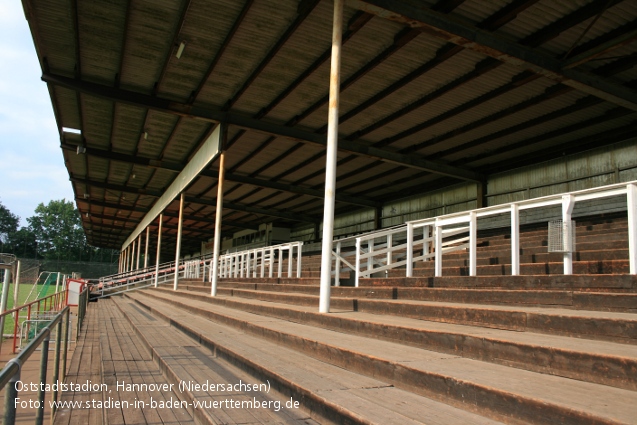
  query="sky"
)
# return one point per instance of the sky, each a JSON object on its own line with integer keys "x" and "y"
{"x": 32, "y": 167}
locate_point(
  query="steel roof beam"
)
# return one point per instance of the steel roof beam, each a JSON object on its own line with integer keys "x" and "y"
{"x": 218, "y": 115}
{"x": 497, "y": 47}
{"x": 292, "y": 216}
{"x": 211, "y": 173}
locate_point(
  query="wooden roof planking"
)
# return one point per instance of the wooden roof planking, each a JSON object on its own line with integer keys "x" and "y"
{"x": 432, "y": 93}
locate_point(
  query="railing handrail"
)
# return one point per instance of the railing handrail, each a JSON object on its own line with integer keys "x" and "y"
{"x": 13, "y": 366}
{"x": 13, "y": 310}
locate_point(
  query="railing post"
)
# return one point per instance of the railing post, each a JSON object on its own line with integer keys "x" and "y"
{"x": 298, "y": 259}
{"x": 44, "y": 362}
{"x": 358, "y": 261}
{"x": 438, "y": 263}
{"x": 390, "y": 240}
{"x": 370, "y": 251}
{"x": 280, "y": 262}
{"x": 11, "y": 393}
{"x": 428, "y": 243}
{"x": 631, "y": 198}
{"x": 290, "y": 258}
{"x": 337, "y": 265}
{"x": 515, "y": 240}
{"x": 568, "y": 202}
{"x": 66, "y": 343}
{"x": 473, "y": 243}
{"x": 161, "y": 221}
{"x": 271, "y": 265}
{"x": 410, "y": 250}
{"x": 56, "y": 367}
{"x": 262, "y": 263}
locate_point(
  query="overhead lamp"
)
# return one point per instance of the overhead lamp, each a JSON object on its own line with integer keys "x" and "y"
{"x": 180, "y": 50}
{"x": 145, "y": 134}
{"x": 81, "y": 149}
{"x": 87, "y": 215}
{"x": 86, "y": 196}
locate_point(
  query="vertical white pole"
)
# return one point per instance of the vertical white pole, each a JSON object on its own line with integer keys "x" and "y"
{"x": 280, "y": 262}
{"x": 390, "y": 240}
{"x": 337, "y": 265}
{"x": 473, "y": 243}
{"x": 5, "y": 297}
{"x": 410, "y": 250}
{"x": 330, "y": 166}
{"x": 271, "y": 265}
{"x": 567, "y": 209}
{"x": 357, "y": 272}
{"x": 161, "y": 222}
{"x": 290, "y": 259}
{"x": 139, "y": 249}
{"x": 262, "y": 263}
{"x": 16, "y": 284}
{"x": 178, "y": 249}
{"x": 132, "y": 256}
{"x": 515, "y": 240}
{"x": 438, "y": 263}
{"x": 57, "y": 283}
{"x": 146, "y": 249}
{"x": 631, "y": 195}
{"x": 298, "y": 259}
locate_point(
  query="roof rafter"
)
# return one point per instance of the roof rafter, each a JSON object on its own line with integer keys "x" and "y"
{"x": 497, "y": 47}
{"x": 218, "y": 115}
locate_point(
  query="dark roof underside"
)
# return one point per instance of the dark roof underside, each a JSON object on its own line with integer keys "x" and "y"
{"x": 540, "y": 79}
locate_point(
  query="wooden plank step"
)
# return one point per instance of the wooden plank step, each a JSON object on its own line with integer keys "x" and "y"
{"x": 332, "y": 394}
{"x": 559, "y": 355}
{"x": 506, "y": 393}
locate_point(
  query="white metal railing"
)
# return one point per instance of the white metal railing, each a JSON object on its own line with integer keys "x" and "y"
{"x": 380, "y": 251}
{"x": 254, "y": 262}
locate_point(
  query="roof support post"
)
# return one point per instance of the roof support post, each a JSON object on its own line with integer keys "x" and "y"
{"x": 161, "y": 221}
{"x": 218, "y": 213}
{"x": 139, "y": 250}
{"x": 132, "y": 256}
{"x": 146, "y": 248}
{"x": 178, "y": 249}
{"x": 330, "y": 166}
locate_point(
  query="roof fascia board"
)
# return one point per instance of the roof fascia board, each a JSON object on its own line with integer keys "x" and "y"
{"x": 208, "y": 151}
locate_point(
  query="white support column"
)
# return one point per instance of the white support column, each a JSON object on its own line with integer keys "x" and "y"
{"x": 473, "y": 243}
{"x": 330, "y": 166}
{"x": 370, "y": 251}
{"x": 337, "y": 265}
{"x": 390, "y": 240}
{"x": 280, "y": 263}
{"x": 161, "y": 222}
{"x": 146, "y": 248}
{"x": 178, "y": 249}
{"x": 5, "y": 297}
{"x": 410, "y": 250}
{"x": 357, "y": 272}
{"x": 139, "y": 250}
{"x": 57, "y": 282}
{"x": 568, "y": 202}
{"x": 262, "y": 263}
{"x": 438, "y": 263}
{"x": 132, "y": 257}
{"x": 16, "y": 284}
{"x": 631, "y": 198}
{"x": 515, "y": 240}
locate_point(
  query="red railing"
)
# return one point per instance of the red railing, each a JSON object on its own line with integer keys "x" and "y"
{"x": 53, "y": 302}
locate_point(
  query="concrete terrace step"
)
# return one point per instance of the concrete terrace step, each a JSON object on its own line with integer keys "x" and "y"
{"x": 330, "y": 393}
{"x": 558, "y": 355}
{"x": 505, "y": 393}
{"x": 599, "y": 301}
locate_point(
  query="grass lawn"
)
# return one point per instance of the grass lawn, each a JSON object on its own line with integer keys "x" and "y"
{"x": 22, "y": 295}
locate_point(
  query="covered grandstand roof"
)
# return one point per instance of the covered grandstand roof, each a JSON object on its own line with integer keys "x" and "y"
{"x": 432, "y": 93}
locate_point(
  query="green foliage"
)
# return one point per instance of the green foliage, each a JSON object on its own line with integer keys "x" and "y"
{"x": 54, "y": 232}
{"x": 8, "y": 223}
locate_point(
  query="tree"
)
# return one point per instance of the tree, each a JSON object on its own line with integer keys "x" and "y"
{"x": 58, "y": 231}
{"x": 8, "y": 226}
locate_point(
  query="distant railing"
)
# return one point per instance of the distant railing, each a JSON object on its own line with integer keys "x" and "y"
{"x": 34, "y": 309}
{"x": 386, "y": 249}
{"x": 253, "y": 262}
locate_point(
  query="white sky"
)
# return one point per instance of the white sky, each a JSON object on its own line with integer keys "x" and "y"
{"x": 31, "y": 164}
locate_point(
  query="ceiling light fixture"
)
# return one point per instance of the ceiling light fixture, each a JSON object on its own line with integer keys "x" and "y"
{"x": 180, "y": 50}
{"x": 146, "y": 135}
{"x": 81, "y": 149}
